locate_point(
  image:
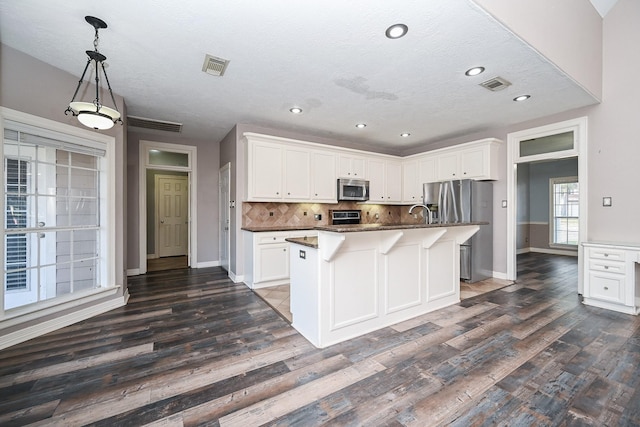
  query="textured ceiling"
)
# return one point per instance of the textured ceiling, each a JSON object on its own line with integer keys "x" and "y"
{"x": 330, "y": 58}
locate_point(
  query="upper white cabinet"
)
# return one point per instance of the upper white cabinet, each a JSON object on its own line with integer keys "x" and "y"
{"x": 478, "y": 160}
{"x": 285, "y": 170}
{"x": 351, "y": 166}
{"x": 385, "y": 180}
{"x": 265, "y": 167}
{"x": 297, "y": 163}
{"x": 323, "y": 177}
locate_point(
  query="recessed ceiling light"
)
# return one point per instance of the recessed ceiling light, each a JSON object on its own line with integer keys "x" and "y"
{"x": 361, "y": 125}
{"x": 521, "y": 98}
{"x": 474, "y": 71}
{"x": 405, "y": 134}
{"x": 396, "y": 31}
{"x": 296, "y": 110}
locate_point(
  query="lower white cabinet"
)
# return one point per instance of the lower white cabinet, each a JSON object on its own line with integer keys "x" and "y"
{"x": 267, "y": 256}
{"x": 610, "y": 279}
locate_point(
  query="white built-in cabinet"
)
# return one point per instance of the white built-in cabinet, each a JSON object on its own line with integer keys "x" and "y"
{"x": 610, "y": 279}
{"x": 352, "y": 166}
{"x": 477, "y": 161}
{"x": 284, "y": 170}
{"x": 385, "y": 180}
{"x": 323, "y": 177}
{"x": 267, "y": 256}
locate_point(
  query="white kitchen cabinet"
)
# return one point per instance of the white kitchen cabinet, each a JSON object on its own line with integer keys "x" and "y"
{"x": 427, "y": 170}
{"x": 385, "y": 180}
{"x": 267, "y": 256}
{"x": 352, "y": 166}
{"x": 411, "y": 186}
{"x": 323, "y": 177}
{"x": 610, "y": 279}
{"x": 477, "y": 160}
{"x": 297, "y": 180}
{"x": 265, "y": 166}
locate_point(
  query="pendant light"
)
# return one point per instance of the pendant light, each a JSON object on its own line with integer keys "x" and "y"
{"x": 94, "y": 114}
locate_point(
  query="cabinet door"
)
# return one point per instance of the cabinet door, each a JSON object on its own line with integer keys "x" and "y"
{"x": 272, "y": 262}
{"x": 351, "y": 166}
{"x": 393, "y": 181}
{"x": 376, "y": 180}
{"x": 323, "y": 182}
{"x": 474, "y": 163}
{"x": 427, "y": 171}
{"x": 266, "y": 172}
{"x": 297, "y": 179}
{"x": 448, "y": 166}
{"x": 411, "y": 186}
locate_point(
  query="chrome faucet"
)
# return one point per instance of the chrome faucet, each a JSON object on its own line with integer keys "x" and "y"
{"x": 427, "y": 219}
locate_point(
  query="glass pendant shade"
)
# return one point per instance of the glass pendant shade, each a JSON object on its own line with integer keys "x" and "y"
{"x": 94, "y": 114}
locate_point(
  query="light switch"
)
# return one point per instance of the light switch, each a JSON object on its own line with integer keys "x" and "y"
{"x": 606, "y": 201}
{"x": 504, "y": 203}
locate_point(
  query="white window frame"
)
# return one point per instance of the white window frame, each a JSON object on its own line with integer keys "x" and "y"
{"x": 552, "y": 214}
{"x": 19, "y": 315}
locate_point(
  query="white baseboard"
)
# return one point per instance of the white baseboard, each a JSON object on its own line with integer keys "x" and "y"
{"x": 234, "y": 278}
{"x": 208, "y": 264}
{"x": 152, "y": 256}
{"x": 133, "y": 272}
{"x": 554, "y": 251}
{"x": 523, "y": 251}
{"x": 498, "y": 275}
{"x": 33, "y": 331}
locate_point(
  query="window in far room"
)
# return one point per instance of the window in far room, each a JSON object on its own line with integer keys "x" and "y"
{"x": 565, "y": 211}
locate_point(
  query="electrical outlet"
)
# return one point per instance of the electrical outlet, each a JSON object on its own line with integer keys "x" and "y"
{"x": 270, "y": 213}
{"x": 317, "y": 217}
{"x": 504, "y": 203}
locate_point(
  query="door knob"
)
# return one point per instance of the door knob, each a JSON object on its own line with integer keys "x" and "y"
{"x": 162, "y": 221}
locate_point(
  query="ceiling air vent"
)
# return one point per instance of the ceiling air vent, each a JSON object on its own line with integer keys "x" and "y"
{"x": 141, "y": 122}
{"x": 495, "y": 84}
{"x": 214, "y": 65}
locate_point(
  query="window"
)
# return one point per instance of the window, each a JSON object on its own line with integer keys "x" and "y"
{"x": 55, "y": 227}
{"x": 565, "y": 211}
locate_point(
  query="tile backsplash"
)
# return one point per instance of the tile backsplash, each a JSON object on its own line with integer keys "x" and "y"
{"x": 267, "y": 214}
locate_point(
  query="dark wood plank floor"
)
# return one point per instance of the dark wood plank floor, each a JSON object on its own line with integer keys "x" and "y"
{"x": 192, "y": 348}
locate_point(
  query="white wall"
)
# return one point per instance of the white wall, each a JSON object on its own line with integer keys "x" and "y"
{"x": 567, "y": 32}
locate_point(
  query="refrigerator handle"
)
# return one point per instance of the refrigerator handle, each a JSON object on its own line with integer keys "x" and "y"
{"x": 441, "y": 208}
{"x": 456, "y": 202}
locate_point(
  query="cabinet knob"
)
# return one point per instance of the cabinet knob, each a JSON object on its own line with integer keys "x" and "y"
{"x": 606, "y": 288}
{"x": 464, "y": 173}
{"x": 288, "y": 194}
{"x": 606, "y": 267}
{"x": 277, "y": 193}
{"x": 606, "y": 255}
{"x": 285, "y": 250}
{"x": 274, "y": 238}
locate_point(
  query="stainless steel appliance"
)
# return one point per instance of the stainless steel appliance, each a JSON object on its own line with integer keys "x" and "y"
{"x": 341, "y": 217}
{"x": 466, "y": 201}
{"x": 353, "y": 189}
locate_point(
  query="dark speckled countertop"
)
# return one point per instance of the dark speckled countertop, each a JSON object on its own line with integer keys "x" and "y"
{"x": 279, "y": 228}
{"x": 311, "y": 242}
{"x": 379, "y": 227}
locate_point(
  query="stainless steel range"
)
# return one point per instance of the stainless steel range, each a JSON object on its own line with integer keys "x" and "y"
{"x": 341, "y": 217}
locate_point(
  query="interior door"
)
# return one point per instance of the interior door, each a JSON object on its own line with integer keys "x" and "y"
{"x": 225, "y": 215}
{"x": 172, "y": 201}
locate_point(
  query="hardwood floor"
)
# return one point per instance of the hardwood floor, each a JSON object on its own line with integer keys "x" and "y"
{"x": 167, "y": 263}
{"x": 192, "y": 348}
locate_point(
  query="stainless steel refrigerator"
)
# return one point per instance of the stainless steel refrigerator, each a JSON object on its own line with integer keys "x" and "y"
{"x": 466, "y": 201}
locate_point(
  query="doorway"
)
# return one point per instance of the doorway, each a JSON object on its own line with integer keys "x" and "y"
{"x": 167, "y": 210}
{"x": 225, "y": 215}
{"x": 555, "y": 142}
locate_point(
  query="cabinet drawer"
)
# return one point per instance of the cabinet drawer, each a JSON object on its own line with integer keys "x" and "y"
{"x": 616, "y": 267}
{"x": 606, "y": 287}
{"x": 271, "y": 238}
{"x": 606, "y": 253}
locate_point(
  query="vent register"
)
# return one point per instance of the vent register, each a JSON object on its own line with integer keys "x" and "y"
{"x": 212, "y": 65}
{"x": 495, "y": 84}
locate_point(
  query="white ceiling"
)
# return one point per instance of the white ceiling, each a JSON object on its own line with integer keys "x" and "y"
{"x": 329, "y": 57}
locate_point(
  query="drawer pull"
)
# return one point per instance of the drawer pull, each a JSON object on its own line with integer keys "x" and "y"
{"x": 606, "y": 288}
{"x": 606, "y": 267}
{"x": 606, "y": 255}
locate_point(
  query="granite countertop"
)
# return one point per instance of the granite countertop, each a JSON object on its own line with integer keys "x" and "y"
{"x": 379, "y": 227}
{"x": 278, "y": 228}
{"x": 311, "y": 242}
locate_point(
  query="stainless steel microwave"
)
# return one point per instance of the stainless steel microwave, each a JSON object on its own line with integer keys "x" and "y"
{"x": 353, "y": 189}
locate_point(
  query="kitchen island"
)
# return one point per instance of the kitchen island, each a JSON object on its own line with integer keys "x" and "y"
{"x": 355, "y": 279}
